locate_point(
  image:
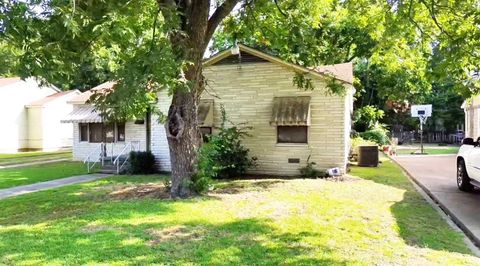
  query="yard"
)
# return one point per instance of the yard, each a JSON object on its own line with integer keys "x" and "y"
{"x": 29, "y": 157}
{"x": 377, "y": 219}
{"x": 18, "y": 176}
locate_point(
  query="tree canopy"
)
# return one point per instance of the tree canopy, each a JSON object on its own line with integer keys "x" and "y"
{"x": 400, "y": 47}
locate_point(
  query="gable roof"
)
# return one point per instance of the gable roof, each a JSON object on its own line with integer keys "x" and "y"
{"x": 50, "y": 98}
{"x": 85, "y": 96}
{"x": 341, "y": 72}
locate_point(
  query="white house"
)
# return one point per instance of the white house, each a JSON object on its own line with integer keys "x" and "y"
{"x": 30, "y": 116}
{"x": 471, "y": 107}
{"x": 289, "y": 124}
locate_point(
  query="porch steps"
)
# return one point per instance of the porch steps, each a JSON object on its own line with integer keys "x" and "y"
{"x": 108, "y": 166}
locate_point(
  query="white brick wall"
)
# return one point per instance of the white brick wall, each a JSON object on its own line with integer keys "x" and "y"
{"x": 247, "y": 92}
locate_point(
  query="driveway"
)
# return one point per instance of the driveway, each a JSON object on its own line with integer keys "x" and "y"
{"x": 436, "y": 175}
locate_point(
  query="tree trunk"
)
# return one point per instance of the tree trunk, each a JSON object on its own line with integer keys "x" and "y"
{"x": 182, "y": 131}
{"x": 181, "y": 127}
{"x": 183, "y": 140}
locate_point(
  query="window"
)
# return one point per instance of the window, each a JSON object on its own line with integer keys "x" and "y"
{"x": 292, "y": 134}
{"x": 205, "y": 131}
{"x": 120, "y": 132}
{"x": 95, "y": 132}
{"x": 83, "y": 131}
{"x": 109, "y": 132}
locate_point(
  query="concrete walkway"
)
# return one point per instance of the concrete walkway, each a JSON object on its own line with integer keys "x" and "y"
{"x": 15, "y": 191}
{"x": 32, "y": 163}
{"x": 437, "y": 176}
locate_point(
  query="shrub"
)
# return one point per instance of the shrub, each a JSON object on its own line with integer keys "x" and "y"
{"x": 367, "y": 118}
{"x": 223, "y": 156}
{"x": 309, "y": 170}
{"x": 142, "y": 162}
{"x": 379, "y": 135}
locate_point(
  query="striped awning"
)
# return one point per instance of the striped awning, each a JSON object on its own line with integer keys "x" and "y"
{"x": 291, "y": 111}
{"x": 83, "y": 114}
{"x": 205, "y": 113}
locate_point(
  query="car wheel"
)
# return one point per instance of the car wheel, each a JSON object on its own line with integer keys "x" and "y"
{"x": 463, "y": 181}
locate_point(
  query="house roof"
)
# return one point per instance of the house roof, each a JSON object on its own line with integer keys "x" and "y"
{"x": 50, "y": 98}
{"x": 85, "y": 96}
{"x": 342, "y": 72}
{"x": 8, "y": 81}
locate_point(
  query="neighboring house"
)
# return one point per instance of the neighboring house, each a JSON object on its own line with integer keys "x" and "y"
{"x": 288, "y": 124}
{"x": 471, "y": 107}
{"x": 30, "y": 116}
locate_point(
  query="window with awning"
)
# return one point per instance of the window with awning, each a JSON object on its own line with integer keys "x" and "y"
{"x": 291, "y": 111}
{"x": 291, "y": 115}
{"x": 205, "y": 117}
{"x": 205, "y": 113}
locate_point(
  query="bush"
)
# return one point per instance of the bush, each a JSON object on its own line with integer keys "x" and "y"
{"x": 367, "y": 118}
{"x": 142, "y": 162}
{"x": 379, "y": 135}
{"x": 223, "y": 156}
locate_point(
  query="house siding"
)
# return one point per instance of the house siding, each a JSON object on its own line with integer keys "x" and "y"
{"x": 472, "y": 118}
{"x": 14, "y": 115}
{"x": 247, "y": 90}
{"x": 159, "y": 143}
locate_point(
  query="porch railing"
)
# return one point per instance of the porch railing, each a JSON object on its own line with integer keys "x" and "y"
{"x": 101, "y": 157}
{"x": 129, "y": 147}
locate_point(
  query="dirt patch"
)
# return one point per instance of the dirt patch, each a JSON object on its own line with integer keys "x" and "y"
{"x": 234, "y": 187}
{"x": 175, "y": 233}
{"x": 157, "y": 191}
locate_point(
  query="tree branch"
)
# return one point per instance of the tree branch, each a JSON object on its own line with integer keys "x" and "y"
{"x": 220, "y": 13}
{"x": 279, "y": 9}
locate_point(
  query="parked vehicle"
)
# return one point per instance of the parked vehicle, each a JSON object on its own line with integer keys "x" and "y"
{"x": 468, "y": 165}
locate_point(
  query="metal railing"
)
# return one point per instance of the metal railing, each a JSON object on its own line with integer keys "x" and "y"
{"x": 101, "y": 157}
{"x": 129, "y": 147}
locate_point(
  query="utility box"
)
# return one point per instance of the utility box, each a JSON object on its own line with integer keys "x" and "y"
{"x": 368, "y": 156}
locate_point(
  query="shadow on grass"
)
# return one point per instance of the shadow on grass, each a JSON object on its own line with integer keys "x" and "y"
{"x": 419, "y": 223}
{"x": 247, "y": 242}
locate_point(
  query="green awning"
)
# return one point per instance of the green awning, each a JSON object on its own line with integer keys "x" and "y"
{"x": 291, "y": 111}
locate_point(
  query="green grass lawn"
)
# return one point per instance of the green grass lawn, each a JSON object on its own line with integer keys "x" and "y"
{"x": 28, "y": 157}
{"x": 430, "y": 150}
{"x": 376, "y": 220}
{"x": 17, "y": 176}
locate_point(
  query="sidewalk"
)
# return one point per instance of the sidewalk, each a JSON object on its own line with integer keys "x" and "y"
{"x": 15, "y": 191}
{"x": 32, "y": 163}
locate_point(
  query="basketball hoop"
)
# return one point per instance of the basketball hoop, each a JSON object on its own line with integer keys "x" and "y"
{"x": 422, "y": 112}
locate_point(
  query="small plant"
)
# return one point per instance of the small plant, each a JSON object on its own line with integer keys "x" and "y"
{"x": 309, "y": 171}
{"x": 167, "y": 183}
{"x": 142, "y": 162}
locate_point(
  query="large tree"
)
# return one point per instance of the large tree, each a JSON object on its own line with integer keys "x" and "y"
{"x": 152, "y": 45}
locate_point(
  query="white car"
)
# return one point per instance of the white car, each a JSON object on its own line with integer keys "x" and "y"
{"x": 468, "y": 165}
